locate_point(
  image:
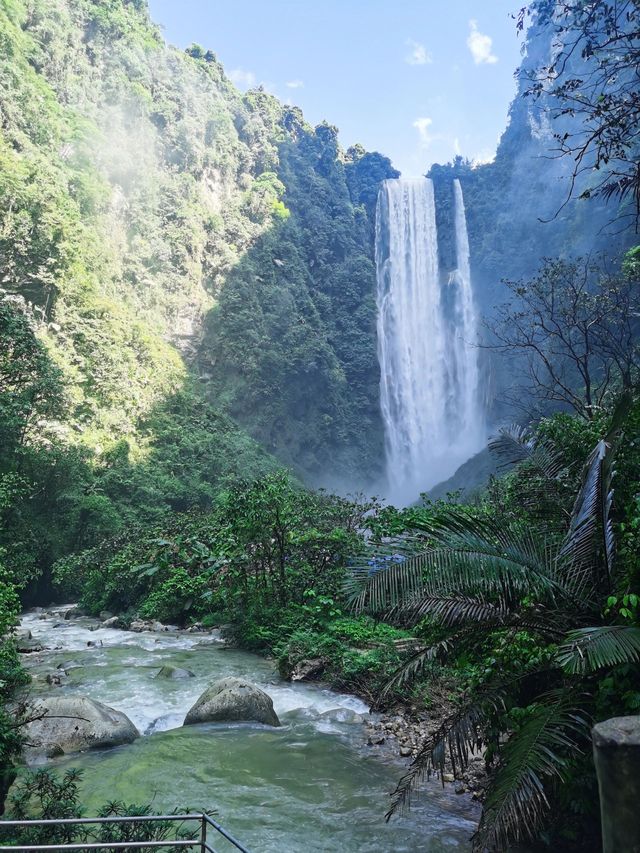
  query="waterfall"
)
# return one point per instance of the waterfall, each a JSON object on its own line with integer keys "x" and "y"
{"x": 427, "y": 328}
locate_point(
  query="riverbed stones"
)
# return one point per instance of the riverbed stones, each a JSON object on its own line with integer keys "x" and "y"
{"x": 69, "y": 724}
{"x": 112, "y": 622}
{"x": 174, "y": 672}
{"x": 233, "y": 700}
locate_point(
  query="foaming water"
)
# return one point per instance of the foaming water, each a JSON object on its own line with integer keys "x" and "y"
{"x": 427, "y": 332}
{"x": 311, "y": 785}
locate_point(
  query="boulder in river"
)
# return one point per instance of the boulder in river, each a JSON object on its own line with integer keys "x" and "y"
{"x": 112, "y": 622}
{"x": 72, "y": 724}
{"x": 233, "y": 700}
{"x": 174, "y": 672}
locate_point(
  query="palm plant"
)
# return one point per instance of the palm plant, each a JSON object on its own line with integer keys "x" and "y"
{"x": 480, "y": 573}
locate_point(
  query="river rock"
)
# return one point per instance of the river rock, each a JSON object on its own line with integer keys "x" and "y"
{"x": 139, "y": 625}
{"x": 106, "y": 614}
{"x": 233, "y": 700}
{"x": 112, "y": 622}
{"x": 27, "y": 647}
{"x": 308, "y": 670}
{"x": 174, "y": 672}
{"x": 73, "y": 724}
{"x": 73, "y": 612}
{"x": 23, "y": 634}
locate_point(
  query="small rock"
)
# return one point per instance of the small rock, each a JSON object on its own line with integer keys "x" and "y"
{"x": 460, "y": 789}
{"x": 376, "y": 740}
{"x": 27, "y": 647}
{"x": 448, "y": 777}
{"x": 112, "y": 622}
{"x": 308, "y": 670}
{"x": 94, "y": 643}
{"x": 174, "y": 672}
{"x": 405, "y": 751}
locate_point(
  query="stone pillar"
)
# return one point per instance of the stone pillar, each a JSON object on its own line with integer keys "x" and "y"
{"x": 616, "y": 751}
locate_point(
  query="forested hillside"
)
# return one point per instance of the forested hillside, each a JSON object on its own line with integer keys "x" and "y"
{"x": 183, "y": 268}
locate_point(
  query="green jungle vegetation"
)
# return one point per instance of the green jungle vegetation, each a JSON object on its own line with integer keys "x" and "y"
{"x": 187, "y": 344}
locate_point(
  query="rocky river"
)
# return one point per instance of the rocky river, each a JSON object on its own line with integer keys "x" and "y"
{"x": 312, "y": 784}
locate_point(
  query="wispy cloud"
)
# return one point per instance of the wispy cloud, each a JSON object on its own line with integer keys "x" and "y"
{"x": 480, "y": 46}
{"x": 422, "y": 125}
{"x": 295, "y": 84}
{"x": 242, "y": 77}
{"x": 418, "y": 54}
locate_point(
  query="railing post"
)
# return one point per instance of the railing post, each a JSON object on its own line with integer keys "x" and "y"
{"x": 616, "y": 749}
{"x": 203, "y": 834}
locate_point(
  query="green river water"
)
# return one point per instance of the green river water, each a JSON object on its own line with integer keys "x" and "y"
{"x": 311, "y": 785}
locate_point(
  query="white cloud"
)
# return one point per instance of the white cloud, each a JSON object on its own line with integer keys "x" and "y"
{"x": 295, "y": 84}
{"x": 241, "y": 77}
{"x": 422, "y": 125}
{"x": 480, "y": 46}
{"x": 418, "y": 54}
{"x": 457, "y": 150}
{"x": 483, "y": 157}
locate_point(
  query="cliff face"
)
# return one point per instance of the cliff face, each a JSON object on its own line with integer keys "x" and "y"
{"x": 520, "y": 207}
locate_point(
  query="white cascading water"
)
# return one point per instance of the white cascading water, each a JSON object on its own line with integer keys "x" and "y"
{"x": 427, "y": 331}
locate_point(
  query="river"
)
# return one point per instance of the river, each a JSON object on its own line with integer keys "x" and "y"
{"x": 311, "y": 785}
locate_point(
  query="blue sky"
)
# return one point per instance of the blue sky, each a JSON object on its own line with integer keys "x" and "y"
{"x": 418, "y": 80}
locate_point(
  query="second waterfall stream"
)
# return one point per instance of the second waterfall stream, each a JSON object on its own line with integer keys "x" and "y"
{"x": 427, "y": 341}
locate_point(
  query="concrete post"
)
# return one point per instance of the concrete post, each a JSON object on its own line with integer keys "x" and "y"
{"x": 616, "y": 751}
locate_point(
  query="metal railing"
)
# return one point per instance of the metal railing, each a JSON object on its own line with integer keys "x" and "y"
{"x": 201, "y": 844}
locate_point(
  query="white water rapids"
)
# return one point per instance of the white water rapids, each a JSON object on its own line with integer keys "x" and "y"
{"x": 427, "y": 335}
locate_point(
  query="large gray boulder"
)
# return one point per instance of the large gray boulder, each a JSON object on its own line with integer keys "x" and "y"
{"x": 72, "y": 724}
{"x": 233, "y": 700}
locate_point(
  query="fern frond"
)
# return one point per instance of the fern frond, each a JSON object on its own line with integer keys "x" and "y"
{"x": 590, "y": 649}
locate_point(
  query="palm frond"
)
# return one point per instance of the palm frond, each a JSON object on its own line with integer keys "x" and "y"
{"x": 467, "y": 558}
{"x": 452, "y": 610}
{"x": 480, "y": 557}
{"x": 589, "y": 546}
{"x": 381, "y": 583}
{"x": 589, "y": 543}
{"x": 416, "y": 663}
{"x": 590, "y": 649}
{"x": 517, "y": 801}
{"x": 516, "y": 444}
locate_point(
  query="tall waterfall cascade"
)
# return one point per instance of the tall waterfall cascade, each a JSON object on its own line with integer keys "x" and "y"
{"x": 427, "y": 335}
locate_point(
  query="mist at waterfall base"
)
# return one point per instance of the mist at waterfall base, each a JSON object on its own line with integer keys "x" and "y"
{"x": 430, "y": 393}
